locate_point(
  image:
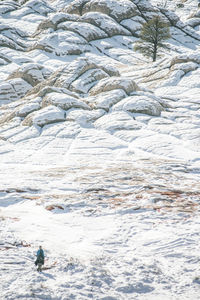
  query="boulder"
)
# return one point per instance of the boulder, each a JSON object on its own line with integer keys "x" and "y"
{"x": 105, "y": 23}
{"x": 185, "y": 58}
{"x": 64, "y": 77}
{"x": 44, "y": 116}
{"x": 106, "y": 100}
{"x": 62, "y": 43}
{"x": 26, "y": 109}
{"x": 71, "y": 72}
{"x": 11, "y": 43}
{"x": 84, "y": 118}
{"x": 86, "y": 30}
{"x": 8, "y": 6}
{"x": 133, "y": 24}
{"x": 63, "y": 101}
{"x": 31, "y": 73}
{"x": 12, "y": 90}
{"x": 139, "y": 104}
{"x": 87, "y": 80}
{"x": 185, "y": 67}
{"x": 112, "y": 83}
{"x": 76, "y": 7}
{"x": 118, "y": 120}
{"x": 51, "y": 89}
{"x": 117, "y": 9}
{"x": 54, "y": 20}
{"x": 41, "y": 7}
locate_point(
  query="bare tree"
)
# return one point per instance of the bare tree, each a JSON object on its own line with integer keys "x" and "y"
{"x": 152, "y": 35}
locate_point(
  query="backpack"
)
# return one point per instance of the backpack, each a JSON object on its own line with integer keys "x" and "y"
{"x": 40, "y": 257}
{"x": 41, "y": 254}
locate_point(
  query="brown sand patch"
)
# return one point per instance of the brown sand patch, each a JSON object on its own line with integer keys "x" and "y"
{"x": 52, "y": 207}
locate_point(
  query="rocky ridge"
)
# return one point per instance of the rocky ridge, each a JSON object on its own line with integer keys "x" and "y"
{"x": 84, "y": 35}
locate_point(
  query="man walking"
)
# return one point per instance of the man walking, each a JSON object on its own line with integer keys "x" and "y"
{"x": 40, "y": 259}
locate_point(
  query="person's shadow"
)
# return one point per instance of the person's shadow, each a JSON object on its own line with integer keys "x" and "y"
{"x": 48, "y": 275}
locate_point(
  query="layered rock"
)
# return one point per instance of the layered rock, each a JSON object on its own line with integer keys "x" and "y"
{"x": 46, "y": 115}
{"x": 90, "y": 43}
{"x": 108, "y": 84}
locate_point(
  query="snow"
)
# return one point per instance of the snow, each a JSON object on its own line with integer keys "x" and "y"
{"x": 84, "y": 117}
{"x": 117, "y": 121}
{"x": 99, "y": 152}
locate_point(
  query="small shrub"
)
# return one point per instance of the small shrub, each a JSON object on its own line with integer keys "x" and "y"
{"x": 180, "y": 5}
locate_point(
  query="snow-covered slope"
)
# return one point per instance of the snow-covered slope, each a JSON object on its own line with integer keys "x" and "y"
{"x": 99, "y": 151}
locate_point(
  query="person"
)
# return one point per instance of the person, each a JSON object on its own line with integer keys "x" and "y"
{"x": 40, "y": 259}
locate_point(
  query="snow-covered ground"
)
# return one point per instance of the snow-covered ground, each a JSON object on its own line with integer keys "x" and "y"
{"x": 99, "y": 152}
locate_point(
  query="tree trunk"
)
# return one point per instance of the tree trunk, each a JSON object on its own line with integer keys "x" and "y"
{"x": 154, "y": 52}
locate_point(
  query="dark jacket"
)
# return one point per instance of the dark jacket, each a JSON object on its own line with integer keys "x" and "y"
{"x": 40, "y": 257}
{"x": 40, "y": 252}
